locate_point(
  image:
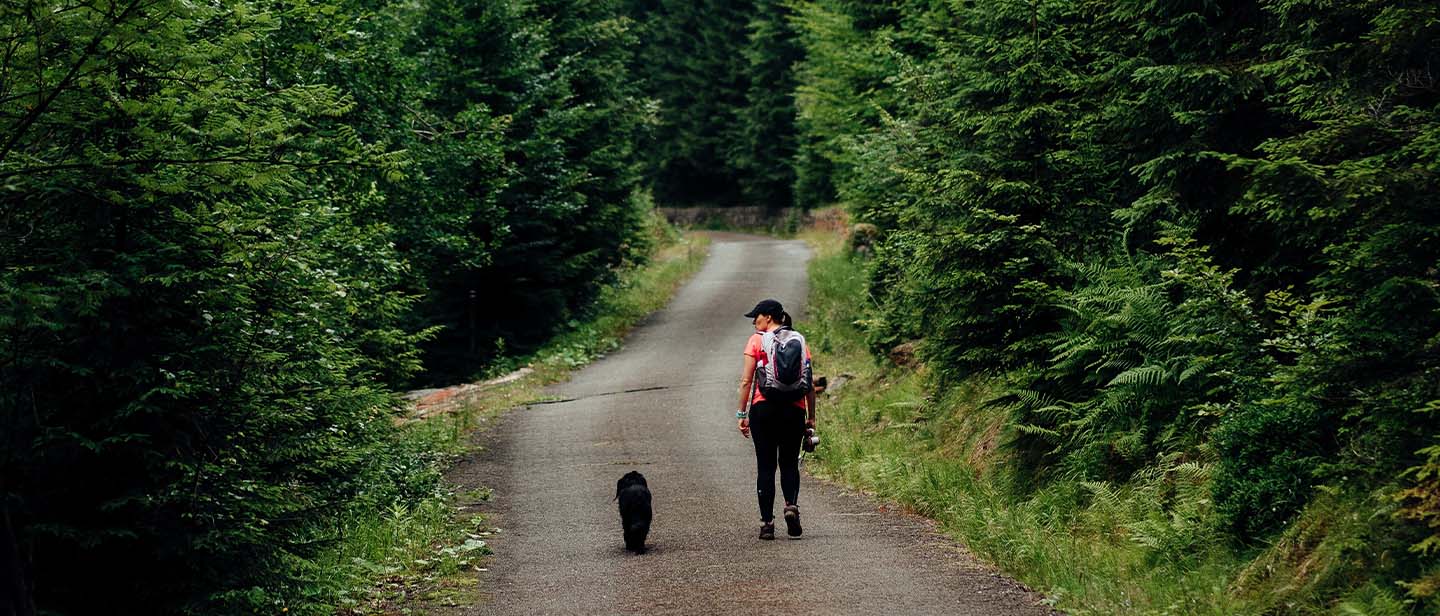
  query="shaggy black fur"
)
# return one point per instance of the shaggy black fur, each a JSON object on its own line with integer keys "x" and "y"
{"x": 634, "y": 496}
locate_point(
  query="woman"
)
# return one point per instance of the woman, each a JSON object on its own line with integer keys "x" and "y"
{"x": 775, "y": 427}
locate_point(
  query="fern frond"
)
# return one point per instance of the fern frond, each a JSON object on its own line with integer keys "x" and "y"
{"x": 1196, "y": 367}
{"x": 1115, "y": 363}
{"x": 1034, "y": 399}
{"x": 1149, "y": 375}
{"x": 1034, "y": 430}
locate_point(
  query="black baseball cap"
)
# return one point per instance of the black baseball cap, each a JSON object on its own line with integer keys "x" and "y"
{"x": 767, "y": 307}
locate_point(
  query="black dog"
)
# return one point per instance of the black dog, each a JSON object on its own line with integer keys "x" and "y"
{"x": 634, "y": 496}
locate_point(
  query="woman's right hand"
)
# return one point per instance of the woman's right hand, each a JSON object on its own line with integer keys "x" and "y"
{"x": 745, "y": 427}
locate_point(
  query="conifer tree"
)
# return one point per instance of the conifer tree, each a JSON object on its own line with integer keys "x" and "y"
{"x": 839, "y": 98}
{"x": 763, "y": 146}
{"x": 195, "y": 317}
{"x": 569, "y": 213}
{"x": 228, "y": 227}
{"x": 1194, "y": 231}
{"x": 693, "y": 66}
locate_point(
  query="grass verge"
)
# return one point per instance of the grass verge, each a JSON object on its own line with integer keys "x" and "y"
{"x": 421, "y": 550}
{"x": 1147, "y": 545}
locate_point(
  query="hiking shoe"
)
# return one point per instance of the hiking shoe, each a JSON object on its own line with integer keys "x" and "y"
{"x": 792, "y": 520}
{"x": 767, "y": 531}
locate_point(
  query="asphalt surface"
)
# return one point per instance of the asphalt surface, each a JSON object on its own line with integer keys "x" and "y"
{"x": 664, "y": 405}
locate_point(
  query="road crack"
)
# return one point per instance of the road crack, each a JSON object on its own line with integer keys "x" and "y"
{"x": 599, "y": 395}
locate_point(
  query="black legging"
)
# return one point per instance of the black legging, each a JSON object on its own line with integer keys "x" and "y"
{"x": 776, "y": 429}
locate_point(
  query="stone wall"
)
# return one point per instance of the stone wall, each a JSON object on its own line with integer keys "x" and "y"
{"x": 750, "y": 217}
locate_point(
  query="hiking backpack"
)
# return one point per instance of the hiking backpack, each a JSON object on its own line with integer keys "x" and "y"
{"x": 785, "y": 374}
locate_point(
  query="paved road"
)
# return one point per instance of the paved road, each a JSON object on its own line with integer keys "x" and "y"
{"x": 664, "y": 405}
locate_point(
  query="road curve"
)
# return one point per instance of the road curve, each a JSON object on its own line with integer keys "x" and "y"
{"x": 664, "y": 405}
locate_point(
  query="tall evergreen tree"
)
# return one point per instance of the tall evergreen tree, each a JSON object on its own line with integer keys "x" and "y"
{"x": 762, "y": 145}
{"x": 1195, "y": 230}
{"x": 693, "y": 65}
{"x": 569, "y": 213}
{"x": 840, "y": 97}
{"x": 225, "y": 231}
{"x": 190, "y": 303}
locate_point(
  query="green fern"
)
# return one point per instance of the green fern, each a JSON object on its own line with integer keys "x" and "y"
{"x": 1148, "y": 376}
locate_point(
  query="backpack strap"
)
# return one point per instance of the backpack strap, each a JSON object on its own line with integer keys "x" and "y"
{"x": 759, "y": 372}
{"x": 767, "y": 340}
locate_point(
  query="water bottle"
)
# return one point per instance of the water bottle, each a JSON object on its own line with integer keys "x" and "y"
{"x": 810, "y": 441}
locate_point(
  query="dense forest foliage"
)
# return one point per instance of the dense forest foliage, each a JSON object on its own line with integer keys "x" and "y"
{"x": 229, "y": 230}
{"x": 1200, "y": 235}
{"x": 1188, "y": 236}
{"x": 721, "y": 76}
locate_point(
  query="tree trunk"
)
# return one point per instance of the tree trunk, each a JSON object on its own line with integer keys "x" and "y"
{"x": 17, "y": 596}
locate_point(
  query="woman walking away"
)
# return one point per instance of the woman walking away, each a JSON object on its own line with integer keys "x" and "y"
{"x": 775, "y": 386}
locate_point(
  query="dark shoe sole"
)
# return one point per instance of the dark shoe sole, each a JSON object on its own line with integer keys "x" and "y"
{"x": 792, "y": 522}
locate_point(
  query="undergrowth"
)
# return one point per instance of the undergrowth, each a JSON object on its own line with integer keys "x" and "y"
{"x": 1149, "y": 543}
